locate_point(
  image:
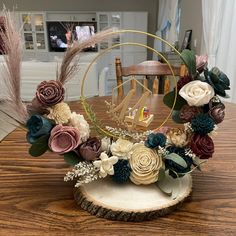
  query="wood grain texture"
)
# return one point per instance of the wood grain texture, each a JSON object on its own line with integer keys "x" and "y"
{"x": 129, "y": 202}
{"x": 34, "y": 200}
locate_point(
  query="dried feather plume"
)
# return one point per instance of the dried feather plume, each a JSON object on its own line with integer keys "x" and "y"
{"x": 11, "y": 71}
{"x": 67, "y": 68}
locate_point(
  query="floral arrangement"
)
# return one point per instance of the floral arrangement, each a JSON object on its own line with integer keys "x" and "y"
{"x": 150, "y": 159}
{"x": 171, "y": 152}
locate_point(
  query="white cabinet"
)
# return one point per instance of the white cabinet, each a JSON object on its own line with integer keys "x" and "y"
{"x": 129, "y": 54}
{"x": 107, "y": 20}
{"x": 34, "y": 31}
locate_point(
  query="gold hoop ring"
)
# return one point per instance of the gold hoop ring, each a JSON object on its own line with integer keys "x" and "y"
{"x": 83, "y": 99}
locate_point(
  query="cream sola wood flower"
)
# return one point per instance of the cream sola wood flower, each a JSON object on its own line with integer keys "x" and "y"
{"x": 145, "y": 164}
{"x": 105, "y": 164}
{"x": 60, "y": 113}
{"x": 121, "y": 148}
{"x": 78, "y": 121}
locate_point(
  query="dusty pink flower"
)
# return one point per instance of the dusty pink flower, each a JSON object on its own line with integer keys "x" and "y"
{"x": 63, "y": 139}
{"x": 49, "y": 93}
{"x": 201, "y": 62}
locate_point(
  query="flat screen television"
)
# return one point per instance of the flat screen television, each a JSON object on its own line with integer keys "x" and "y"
{"x": 61, "y": 34}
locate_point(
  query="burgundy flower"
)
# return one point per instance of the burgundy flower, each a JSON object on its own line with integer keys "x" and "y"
{"x": 49, "y": 93}
{"x": 63, "y": 139}
{"x": 90, "y": 150}
{"x": 183, "y": 80}
{"x": 188, "y": 112}
{"x": 202, "y": 146}
{"x": 217, "y": 113}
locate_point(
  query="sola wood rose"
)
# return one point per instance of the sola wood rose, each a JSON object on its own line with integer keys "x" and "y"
{"x": 145, "y": 165}
{"x": 49, "y": 93}
{"x": 63, "y": 139}
{"x": 197, "y": 93}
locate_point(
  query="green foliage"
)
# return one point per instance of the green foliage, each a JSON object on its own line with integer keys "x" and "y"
{"x": 189, "y": 59}
{"x": 72, "y": 158}
{"x": 169, "y": 99}
{"x": 162, "y": 182}
{"x": 218, "y": 80}
{"x": 177, "y": 159}
{"x": 40, "y": 146}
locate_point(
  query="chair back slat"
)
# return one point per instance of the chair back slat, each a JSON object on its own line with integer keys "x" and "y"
{"x": 148, "y": 69}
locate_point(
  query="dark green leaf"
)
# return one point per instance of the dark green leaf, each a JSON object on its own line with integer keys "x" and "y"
{"x": 169, "y": 100}
{"x": 40, "y": 146}
{"x": 72, "y": 158}
{"x": 177, "y": 159}
{"x": 189, "y": 59}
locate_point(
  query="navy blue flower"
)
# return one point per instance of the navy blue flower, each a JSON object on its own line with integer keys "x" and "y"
{"x": 155, "y": 140}
{"x": 202, "y": 124}
{"x": 37, "y": 126}
{"x": 121, "y": 171}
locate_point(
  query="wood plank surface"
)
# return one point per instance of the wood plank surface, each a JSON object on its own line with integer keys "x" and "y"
{"x": 34, "y": 200}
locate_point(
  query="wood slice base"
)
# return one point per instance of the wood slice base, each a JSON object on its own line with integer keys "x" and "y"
{"x": 129, "y": 202}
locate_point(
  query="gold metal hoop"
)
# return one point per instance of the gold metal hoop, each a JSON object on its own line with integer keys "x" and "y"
{"x": 83, "y": 99}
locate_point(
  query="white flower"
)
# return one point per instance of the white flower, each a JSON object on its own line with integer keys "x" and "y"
{"x": 106, "y": 164}
{"x": 106, "y": 144}
{"x": 121, "y": 148}
{"x": 78, "y": 121}
{"x": 60, "y": 113}
{"x": 197, "y": 93}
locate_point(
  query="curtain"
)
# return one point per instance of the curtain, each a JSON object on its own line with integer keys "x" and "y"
{"x": 212, "y": 16}
{"x": 219, "y": 24}
{"x": 167, "y": 22}
{"x": 225, "y": 58}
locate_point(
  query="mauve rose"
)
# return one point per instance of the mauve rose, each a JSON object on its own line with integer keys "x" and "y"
{"x": 63, "y": 139}
{"x": 90, "y": 150}
{"x": 201, "y": 62}
{"x": 49, "y": 93}
{"x": 188, "y": 112}
{"x": 202, "y": 146}
{"x": 217, "y": 113}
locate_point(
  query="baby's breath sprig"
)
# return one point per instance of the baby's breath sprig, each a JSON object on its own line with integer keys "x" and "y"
{"x": 85, "y": 172}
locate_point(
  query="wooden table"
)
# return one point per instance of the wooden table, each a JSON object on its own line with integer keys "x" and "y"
{"x": 34, "y": 200}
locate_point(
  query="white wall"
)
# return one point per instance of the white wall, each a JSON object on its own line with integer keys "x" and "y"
{"x": 191, "y": 18}
{"x": 151, "y": 6}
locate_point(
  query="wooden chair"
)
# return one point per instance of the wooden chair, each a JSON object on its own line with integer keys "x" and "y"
{"x": 147, "y": 69}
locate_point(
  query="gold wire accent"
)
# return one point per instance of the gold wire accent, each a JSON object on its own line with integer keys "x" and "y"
{"x": 83, "y": 99}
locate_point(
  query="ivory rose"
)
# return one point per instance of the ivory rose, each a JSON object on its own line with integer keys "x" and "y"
{"x": 145, "y": 165}
{"x": 197, "y": 93}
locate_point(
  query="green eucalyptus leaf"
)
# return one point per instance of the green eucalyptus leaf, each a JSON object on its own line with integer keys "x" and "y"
{"x": 161, "y": 174}
{"x": 165, "y": 188}
{"x": 72, "y": 158}
{"x": 189, "y": 59}
{"x": 40, "y": 146}
{"x": 169, "y": 100}
{"x": 177, "y": 159}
